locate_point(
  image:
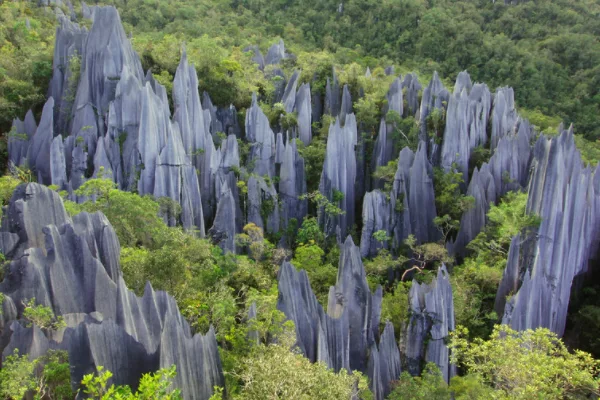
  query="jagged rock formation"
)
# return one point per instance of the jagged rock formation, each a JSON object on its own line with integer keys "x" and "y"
{"x": 466, "y": 123}
{"x": 339, "y": 175}
{"x": 117, "y": 120}
{"x": 504, "y": 116}
{"x": 332, "y": 95}
{"x": 292, "y": 184}
{"x": 412, "y": 87}
{"x": 72, "y": 266}
{"x": 507, "y": 169}
{"x": 431, "y": 319}
{"x": 377, "y": 215}
{"x": 19, "y": 137}
{"x": 276, "y": 53}
{"x": 346, "y": 336}
{"x": 566, "y": 195}
{"x": 224, "y": 227}
{"x": 304, "y": 110}
{"x": 435, "y": 96}
{"x": 413, "y": 198}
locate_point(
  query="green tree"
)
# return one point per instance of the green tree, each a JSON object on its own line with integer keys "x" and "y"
{"x": 527, "y": 364}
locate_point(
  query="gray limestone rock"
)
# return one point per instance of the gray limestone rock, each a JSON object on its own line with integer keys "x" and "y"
{"x": 412, "y": 87}
{"x": 72, "y": 266}
{"x": 565, "y": 194}
{"x": 304, "y": 110}
{"x": 223, "y": 230}
{"x": 431, "y": 316}
{"x": 394, "y": 97}
{"x": 377, "y": 216}
{"x": 339, "y": 174}
{"x": 466, "y": 123}
{"x": 352, "y": 295}
{"x": 289, "y": 95}
{"x": 435, "y": 96}
{"x": 332, "y": 96}
{"x": 383, "y": 150}
{"x": 262, "y": 140}
{"x": 507, "y": 169}
{"x": 38, "y": 154}
{"x": 263, "y": 204}
{"x": 292, "y": 184}
{"x": 276, "y": 53}
{"x": 58, "y": 168}
{"x": 504, "y": 116}
{"x": 346, "y": 336}
{"x": 413, "y": 198}
{"x": 346, "y": 106}
{"x": 70, "y": 43}
{"x": 19, "y": 138}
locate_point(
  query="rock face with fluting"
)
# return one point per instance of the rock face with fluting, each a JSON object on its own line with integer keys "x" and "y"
{"x": 289, "y": 95}
{"x": 262, "y": 138}
{"x": 339, "y": 175}
{"x": 116, "y": 123}
{"x": 412, "y": 87}
{"x": 352, "y": 295}
{"x": 376, "y": 216}
{"x": 431, "y": 317}
{"x": 72, "y": 266}
{"x": 19, "y": 137}
{"x": 70, "y": 42}
{"x": 506, "y": 170}
{"x": 195, "y": 137}
{"x": 292, "y": 184}
{"x": 38, "y": 154}
{"x": 394, "y": 97}
{"x": 304, "y": 110}
{"x": 223, "y": 230}
{"x": 332, "y": 96}
{"x": 566, "y": 195}
{"x": 346, "y": 336}
{"x": 413, "y": 198}
{"x": 435, "y": 97}
{"x": 263, "y": 204}
{"x": 276, "y": 53}
{"x": 383, "y": 150}
{"x": 466, "y": 123}
{"x": 504, "y": 116}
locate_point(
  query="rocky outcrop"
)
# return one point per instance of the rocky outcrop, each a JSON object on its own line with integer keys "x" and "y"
{"x": 347, "y": 336}
{"x": 466, "y": 123}
{"x": 72, "y": 266}
{"x": 507, "y": 169}
{"x": 431, "y": 319}
{"x": 339, "y": 175}
{"x": 435, "y": 97}
{"x": 292, "y": 184}
{"x": 276, "y": 53}
{"x": 412, "y": 87}
{"x": 304, "y": 110}
{"x": 262, "y": 139}
{"x": 566, "y": 195}
{"x": 504, "y": 116}
{"x": 332, "y": 95}
{"x": 377, "y": 216}
{"x": 413, "y": 198}
{"x": 224, "y": 228}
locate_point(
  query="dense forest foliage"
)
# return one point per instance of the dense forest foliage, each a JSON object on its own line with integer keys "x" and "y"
{"x": 548, "y": 51}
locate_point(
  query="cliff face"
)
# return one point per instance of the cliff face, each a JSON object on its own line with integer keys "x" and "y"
{"x": 565, "y": 194}
{"x": 347, "y": 335}
{"x": 72, "y": 266}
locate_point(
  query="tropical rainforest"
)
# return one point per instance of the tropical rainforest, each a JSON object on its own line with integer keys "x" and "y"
{"x": 248, "y": 199}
